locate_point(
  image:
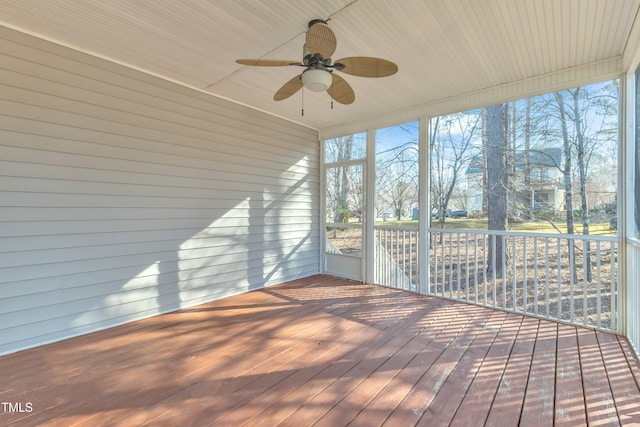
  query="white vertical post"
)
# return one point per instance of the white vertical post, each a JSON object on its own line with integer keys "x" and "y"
{"x": 370, "y": 211}
{"x": 504, "y": 270}
{"x": 560, "y": 296}
{"x": 323, "y": 210}
{"x": 535, "y": 275}
{"x": 514, "y": 286}
{"x": 424, "y": 263}
{"x": 525, "y": 281}
{"x": 458, "y": 272}
{"x": 467, "y": 267}
{"x": 475, "y": 267}
{"x": 547, "y": 272}
{"x": 626, "y": 204}
{"x": 598, "y": 287}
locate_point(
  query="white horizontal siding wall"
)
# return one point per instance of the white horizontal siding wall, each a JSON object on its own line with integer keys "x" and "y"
{"x": 123, "y": 195}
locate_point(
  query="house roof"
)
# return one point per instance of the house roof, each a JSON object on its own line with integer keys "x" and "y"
{"x": 465, "y": 50}
{"x": 538, "y": 158}
{"x": 541, "y": 159}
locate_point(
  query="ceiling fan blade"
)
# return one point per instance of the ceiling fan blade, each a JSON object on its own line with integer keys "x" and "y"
{"x": 267, "y": 62}
{"x": 365, "y": 66}
{"x": 289, "y": 88}
{"x": 341, "y": 91}
{"x": 321, "y": 39}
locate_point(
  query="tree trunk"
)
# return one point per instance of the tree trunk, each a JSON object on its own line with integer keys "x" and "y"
{"x": 582, "y": 173}
{"x": 497, "y": 181}
{"x": 528, "y": 197}
{"x": 568, "y": 193}
{"x": 342, "y": 181}
{"x": 485, "y": 143}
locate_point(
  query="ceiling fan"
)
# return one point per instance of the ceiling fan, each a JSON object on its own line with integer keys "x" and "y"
{"x": 320, "y": 44}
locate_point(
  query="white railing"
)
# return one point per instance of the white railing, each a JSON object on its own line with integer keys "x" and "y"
{"x": 633, "y": 295}
{"x": 396, "y": 257}
{"x": 570, "y": 278}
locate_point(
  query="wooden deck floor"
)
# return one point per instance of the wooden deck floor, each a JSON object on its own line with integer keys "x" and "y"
{"x": 327, "y": 352}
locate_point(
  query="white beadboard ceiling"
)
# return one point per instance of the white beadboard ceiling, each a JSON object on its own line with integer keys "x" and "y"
{"x": 444, "y": 48}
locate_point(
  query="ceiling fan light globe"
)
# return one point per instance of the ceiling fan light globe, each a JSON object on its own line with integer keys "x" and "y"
{"x": 317, "y": 80}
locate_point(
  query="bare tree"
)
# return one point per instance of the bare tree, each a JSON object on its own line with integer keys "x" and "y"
{"x": 527, "y": 158}
{"x": 451, "y": 149}
{"x": 344, "y": 149}
{"x": 485, "y": 144}
{"x": 590, "y": 135}
{"x": 497, "y": 181}
{"x": 397, "y": 177}
{"x": 567, "y": 169}
{"x": 568, "y": 189}
{"x": 582, "y": 173}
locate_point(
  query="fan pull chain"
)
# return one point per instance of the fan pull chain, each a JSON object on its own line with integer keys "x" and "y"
{"x": 332, "y": 104}
{"x": 302, "y": 92}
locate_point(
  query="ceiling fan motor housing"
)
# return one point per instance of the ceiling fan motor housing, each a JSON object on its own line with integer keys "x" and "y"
{"x": 316, "y": 21}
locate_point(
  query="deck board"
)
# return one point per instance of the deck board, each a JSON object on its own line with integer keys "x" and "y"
{"x": 401, "y": 385}
{"x": 507, "y": 404}
{"x": 452, "y": 343}
{"x": 569, "y": 402}
{"x": 626, "y": 395}
{"x": 537, "y": 409}
{"x": 475, "y": 406}
{"x": 327, "y": 352}
{"x": 599, "y": 403}
{"x": 443, "y": 407}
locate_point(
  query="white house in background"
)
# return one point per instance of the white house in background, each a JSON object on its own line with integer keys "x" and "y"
{"x": 543, "y": 193}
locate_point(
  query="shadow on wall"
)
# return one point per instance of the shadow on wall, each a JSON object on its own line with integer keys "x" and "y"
{"x": 115, "y": 269}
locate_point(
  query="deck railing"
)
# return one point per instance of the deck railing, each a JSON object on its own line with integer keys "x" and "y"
{"x": 570, "y": 278}
{"x": 396, "y": 257}
{"x": 632, "y": 296}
